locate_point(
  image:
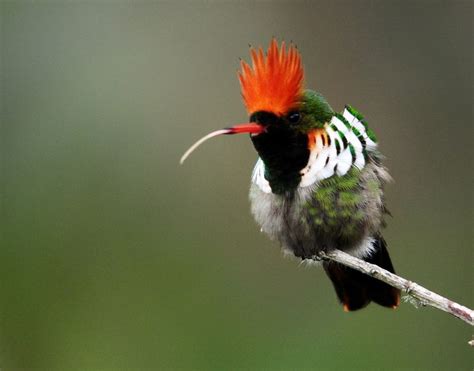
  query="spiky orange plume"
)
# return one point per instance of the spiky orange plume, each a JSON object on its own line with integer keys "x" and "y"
{"x": 274, "y": 83}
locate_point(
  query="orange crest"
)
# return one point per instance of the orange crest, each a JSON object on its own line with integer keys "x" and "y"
{"x": 274, "y": 83}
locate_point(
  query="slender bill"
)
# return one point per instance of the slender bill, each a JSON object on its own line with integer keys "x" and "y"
{"x": 250, "y": 127}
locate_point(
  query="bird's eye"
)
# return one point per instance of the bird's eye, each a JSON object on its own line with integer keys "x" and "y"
{"x": 294, "y": 117}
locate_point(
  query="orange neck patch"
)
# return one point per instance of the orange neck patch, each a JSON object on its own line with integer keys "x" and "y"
{"x": 313, "y": 138}
{"x": 274, "y": 83}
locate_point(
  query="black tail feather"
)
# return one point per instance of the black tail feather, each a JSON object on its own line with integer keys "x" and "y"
{"x": 356, "y": 290}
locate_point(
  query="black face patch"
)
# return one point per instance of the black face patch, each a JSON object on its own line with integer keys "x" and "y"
{"x": 283, "y": 149}
{"x": 264, "y": 118}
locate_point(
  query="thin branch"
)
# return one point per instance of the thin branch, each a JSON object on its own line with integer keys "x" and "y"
{"x": 419, "y": 293}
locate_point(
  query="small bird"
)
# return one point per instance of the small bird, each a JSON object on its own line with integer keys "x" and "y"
{"x": 318, "y": 182}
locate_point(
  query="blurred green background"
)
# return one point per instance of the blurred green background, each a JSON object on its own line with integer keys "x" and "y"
{"x": 113, "y": 256}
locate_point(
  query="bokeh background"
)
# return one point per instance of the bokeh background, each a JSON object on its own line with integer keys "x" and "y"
{"x": 113, "y": 256}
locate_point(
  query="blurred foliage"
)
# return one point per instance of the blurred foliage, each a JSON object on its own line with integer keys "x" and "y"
{"x": 113, "y": 256}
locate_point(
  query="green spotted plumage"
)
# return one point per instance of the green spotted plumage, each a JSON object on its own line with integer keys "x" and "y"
{"x": 325, "y": 208}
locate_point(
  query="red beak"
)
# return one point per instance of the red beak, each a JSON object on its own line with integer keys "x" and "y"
{"x": 249, "y": 127}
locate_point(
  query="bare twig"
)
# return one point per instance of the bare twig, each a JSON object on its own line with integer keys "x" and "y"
{"x": 418, "y": 293}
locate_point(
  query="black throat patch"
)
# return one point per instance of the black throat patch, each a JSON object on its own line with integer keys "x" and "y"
{"x": 283, "y": 149}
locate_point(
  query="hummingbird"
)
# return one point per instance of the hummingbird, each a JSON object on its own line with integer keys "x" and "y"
{"x": 318, "y": 183}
